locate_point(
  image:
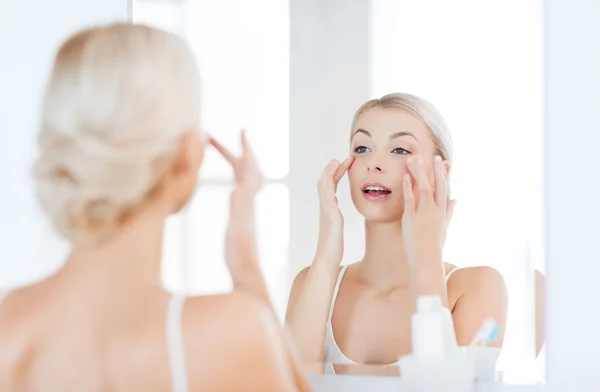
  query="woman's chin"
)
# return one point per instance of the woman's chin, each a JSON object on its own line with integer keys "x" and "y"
{"x": 380, "y": 215}
{"x": 386, "y": 211}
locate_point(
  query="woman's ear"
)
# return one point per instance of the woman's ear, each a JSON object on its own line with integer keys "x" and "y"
{"x": 447, "y": 167}
{"x": 182, "y": 177}
{"x": 189, "y": 155}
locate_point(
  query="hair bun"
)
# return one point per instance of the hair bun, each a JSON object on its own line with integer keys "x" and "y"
{"x": 118, "y": 99}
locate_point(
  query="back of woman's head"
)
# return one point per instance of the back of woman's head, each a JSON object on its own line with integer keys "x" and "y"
{"x": 117, "y": 102}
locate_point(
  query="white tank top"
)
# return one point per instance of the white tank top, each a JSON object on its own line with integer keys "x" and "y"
{"x": 179, "y": 381}
{"x": 333, "y": 354}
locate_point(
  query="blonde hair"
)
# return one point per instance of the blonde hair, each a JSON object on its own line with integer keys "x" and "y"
{"x": 419, "y": 107}
{"x": 118, "y": 99}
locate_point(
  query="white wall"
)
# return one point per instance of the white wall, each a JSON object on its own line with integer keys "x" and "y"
{"x": 30, "y": 32}
{"x": 572, "y": 142}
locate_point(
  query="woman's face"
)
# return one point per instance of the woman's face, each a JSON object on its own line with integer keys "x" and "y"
{"x": 382, "y": 140}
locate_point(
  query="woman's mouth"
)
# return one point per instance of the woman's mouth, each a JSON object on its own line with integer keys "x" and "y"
{"x": 375, "y": 192}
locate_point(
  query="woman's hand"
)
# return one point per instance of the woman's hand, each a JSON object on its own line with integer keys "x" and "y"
{"x": 424, "y": 223}
{"x": 248, "y": 177}
{"x": 330, "y": 247}
{"x": 241, "y": 253}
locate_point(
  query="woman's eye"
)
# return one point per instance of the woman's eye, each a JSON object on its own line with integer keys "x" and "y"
{"x": 361, "y": 149}
{"x": 400, "y": 151}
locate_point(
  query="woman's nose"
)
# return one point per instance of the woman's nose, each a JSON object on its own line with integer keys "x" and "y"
{"x": 375, "y": 163}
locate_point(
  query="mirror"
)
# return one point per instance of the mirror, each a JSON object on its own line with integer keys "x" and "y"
{"x": 294, "y": 73}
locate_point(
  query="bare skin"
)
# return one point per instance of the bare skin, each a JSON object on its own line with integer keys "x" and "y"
{"x": 540, "y": 311}
{"x": 405, "y": 233}
{"x": 99, "y": 323}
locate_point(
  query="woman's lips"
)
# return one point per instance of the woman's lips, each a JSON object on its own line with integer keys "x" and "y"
{"x": 378, "y": 196}
{"x": 375, "y": 192}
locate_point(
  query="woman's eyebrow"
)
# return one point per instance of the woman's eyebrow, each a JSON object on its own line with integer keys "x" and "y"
{"x": 360, "y": 130}
{"x": 395, "y": 135}
{"x": 399, "y": 134}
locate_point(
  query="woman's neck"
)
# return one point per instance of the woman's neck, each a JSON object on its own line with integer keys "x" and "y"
{"x": 129, "y": 259}
{"x": 384, "y": 265}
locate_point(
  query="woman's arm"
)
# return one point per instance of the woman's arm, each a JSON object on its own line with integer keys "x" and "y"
{"x": 240, "y": 242}
{"x": 240, "y": 247}
{"x": 428, "y": 278}
{"x": 427, "y": 214}
{"x": 312, "y": 291}
{"x": 247, "y": 277}
{"x": 241, "y": 254}
{"x": 484, "y": 296}
{"x": 308, "y": 308}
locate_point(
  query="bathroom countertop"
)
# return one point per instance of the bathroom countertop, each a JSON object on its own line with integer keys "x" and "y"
{"x": 333, "y": 383}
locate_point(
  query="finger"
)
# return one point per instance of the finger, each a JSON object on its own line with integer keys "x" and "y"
{"x": 328, "y": 172}
{"x": 344, "y": 166}
{"x": 248, "y": 154}
{"x": 450, "y": 210}
{"x": 334, "y": 167}
{"x": 409, "y": 197}
{"x": 417, "y": 170}
{"x": 325, "y": 183}
{"x": 441, "y": 185}
{"x": 246, "y": 149}
{"x": 327, "y": 169}
{"x": 228, "y": 155}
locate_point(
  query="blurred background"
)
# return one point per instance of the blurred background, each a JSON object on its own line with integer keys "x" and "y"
{"x": 292, "y": 72}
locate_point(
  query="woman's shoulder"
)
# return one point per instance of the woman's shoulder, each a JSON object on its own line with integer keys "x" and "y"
{"x": 233, "y": 321}
{"x": 461, "y": 280}
{"x": 301, "y": 276}
{"x": 472, "y": 274}
{"x": 234, "y": 340}
{"x": 237, "y": 306}
{"x": 482, "y": 282}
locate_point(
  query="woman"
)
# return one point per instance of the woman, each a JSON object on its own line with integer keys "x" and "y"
{"x": 398, "y": 168}
{"x": 120, "y": 152}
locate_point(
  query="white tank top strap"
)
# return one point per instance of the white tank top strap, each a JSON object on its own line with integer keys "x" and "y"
{"x": 179, "y": 381}
{"x": 335, "y": 291}
{"x": 449, "y": 274}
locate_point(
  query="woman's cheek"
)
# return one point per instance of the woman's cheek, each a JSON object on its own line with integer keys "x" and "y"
{"x": 400, "y": 170}
{"x": 352, "y": 180}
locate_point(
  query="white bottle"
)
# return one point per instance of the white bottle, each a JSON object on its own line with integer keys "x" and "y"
{"x": 449, "y": 333}
{"x": 434, "y": 365}
{"x": 428, "y": 334}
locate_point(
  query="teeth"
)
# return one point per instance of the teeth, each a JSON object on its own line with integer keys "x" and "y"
{"x": 375, "y": 188}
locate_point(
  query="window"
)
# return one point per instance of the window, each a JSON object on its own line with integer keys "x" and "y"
{"x": 480, "y": 63}
{"x": 244, "y": 76}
